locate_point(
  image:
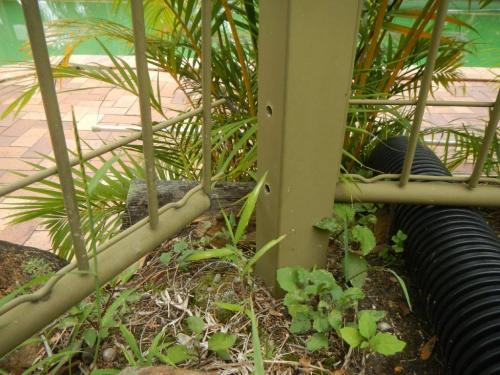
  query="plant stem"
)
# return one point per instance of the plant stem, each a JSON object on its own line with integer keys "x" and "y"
{"x": 374, "y": 42}
{"x": 346, "y": 249}
{"x": 92, "y": 235}
{"x": 241, "y": 57}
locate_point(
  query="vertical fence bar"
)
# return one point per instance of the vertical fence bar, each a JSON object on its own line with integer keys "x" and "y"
{"x": 424, "y": 91}
{"x": 49, "y": 97}
{"x": 489, "y": 134}
{"x": 305, "y": 66}
{"x": 144, "y": 86}
{"x": 206, "y": 68}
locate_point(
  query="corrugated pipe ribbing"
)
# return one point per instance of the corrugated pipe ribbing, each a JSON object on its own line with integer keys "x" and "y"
{"x": 453, "y": 257}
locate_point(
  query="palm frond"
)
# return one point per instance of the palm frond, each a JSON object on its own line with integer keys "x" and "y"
{"x": 463, "y": 144}
{"x": 108, "y": 198}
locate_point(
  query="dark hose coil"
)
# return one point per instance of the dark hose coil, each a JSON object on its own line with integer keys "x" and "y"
{"x": 453, "y": 256}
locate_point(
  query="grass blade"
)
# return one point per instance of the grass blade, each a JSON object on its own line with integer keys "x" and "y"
{"x": 248, "y": 209}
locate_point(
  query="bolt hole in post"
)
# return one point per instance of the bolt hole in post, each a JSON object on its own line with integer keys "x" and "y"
{"x": 269, "y": 110}
{"x": 267, "y": 188}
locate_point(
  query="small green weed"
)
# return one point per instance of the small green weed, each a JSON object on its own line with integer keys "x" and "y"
{"x": 235, "y": 231}
{"x": 364, "y": 334}
{"x": 398, "y": 241}
{"x": 318, "y": 305}
{"x": 220, "y": 342}
{"x": 354, "y": 223}
{"x": 36, "y": 266}
{"x": 166, "y": 352}
{"x": 397, "y": 247}
{"x": 316, "y": 302}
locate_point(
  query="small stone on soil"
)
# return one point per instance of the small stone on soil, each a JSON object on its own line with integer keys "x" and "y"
{"x": 384, "y": 327}
{"x": 109, "y": 354}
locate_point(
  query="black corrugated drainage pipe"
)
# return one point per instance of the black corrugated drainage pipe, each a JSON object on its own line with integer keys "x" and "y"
{"x": 453, "y": 256}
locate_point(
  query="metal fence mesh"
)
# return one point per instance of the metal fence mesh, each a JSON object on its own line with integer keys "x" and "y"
{"x": 52, "y": 300}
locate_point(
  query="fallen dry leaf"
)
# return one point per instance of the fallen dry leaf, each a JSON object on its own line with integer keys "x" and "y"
{"x": 427, "y": 348}
{"x": 404, "y": 309}
{"x": 275, "y": 313}
{"x": 338, "y": 372}
{"x": 305, "y": 362}
{"x": 398, "y": 369}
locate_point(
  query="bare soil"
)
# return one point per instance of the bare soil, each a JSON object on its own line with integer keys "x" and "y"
{"x": 169, "y": 293}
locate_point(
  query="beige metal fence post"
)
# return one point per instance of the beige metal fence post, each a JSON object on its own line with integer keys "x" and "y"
{"x": 47, "y": 88}
{"x": 306, "y": 55}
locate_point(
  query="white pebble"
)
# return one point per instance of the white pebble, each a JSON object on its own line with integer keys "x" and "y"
{"x": 217, "y": 278}
{"x": 384, "y": 327}
{"x": 109, "y": 354}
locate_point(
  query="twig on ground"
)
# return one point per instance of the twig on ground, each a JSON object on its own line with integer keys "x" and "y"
{"x": 48, "y": 350}
{"x": 347, "y": 358}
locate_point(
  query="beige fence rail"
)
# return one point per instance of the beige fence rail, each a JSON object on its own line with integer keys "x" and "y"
{"x": 24, "y": 316}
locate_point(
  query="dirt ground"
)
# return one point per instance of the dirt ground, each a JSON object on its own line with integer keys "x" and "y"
{"x": 167, "y": 293}
{"x": 287, "y": 352}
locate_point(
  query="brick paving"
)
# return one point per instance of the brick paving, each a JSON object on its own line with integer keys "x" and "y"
{"x": 482, "y": 84}
{"x": 24, "y": 137}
